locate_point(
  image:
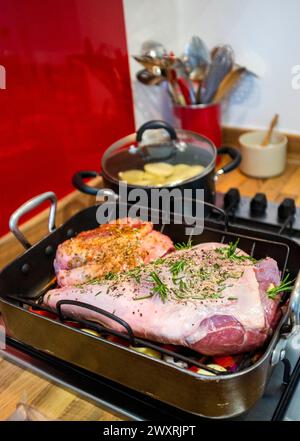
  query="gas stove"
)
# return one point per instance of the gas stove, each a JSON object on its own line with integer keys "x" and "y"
{"x": 281, "y": 400}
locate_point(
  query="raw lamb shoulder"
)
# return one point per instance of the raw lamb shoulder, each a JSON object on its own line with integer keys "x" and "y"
{"x": 198, "y": 297}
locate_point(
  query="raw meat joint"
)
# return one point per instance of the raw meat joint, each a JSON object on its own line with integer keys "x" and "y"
{"x": 118, "y": 246}
{"x": 212, "y": 298}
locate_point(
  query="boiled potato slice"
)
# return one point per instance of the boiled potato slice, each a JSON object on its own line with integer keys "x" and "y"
{"x": 189, "y": 172}
{"x": 159, "y": 169}
{"x": 183, "y": 172}
{"x": 150, "y": 176}
{"x": 158, "y": 174}
{"x": 131, "y": 175}
{"x": 197, "y": 169}
{"x": 180, "y": 167}
{"x": 144, "y": 182}
{"x": 174, "y": 179}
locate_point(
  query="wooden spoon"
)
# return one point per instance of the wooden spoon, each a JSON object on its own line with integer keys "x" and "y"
{"x": 268, "y": 135}
{"x": 228, "y": 83}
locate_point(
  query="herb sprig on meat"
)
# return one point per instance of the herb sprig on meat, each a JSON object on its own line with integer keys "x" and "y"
{"x": 183, "y": 245}
{"x": 230, "y": 252}
{"x": 285, "y": 285}
{"x": 160, "y": 288}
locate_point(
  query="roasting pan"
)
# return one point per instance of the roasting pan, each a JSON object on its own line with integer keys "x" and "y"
{"x": 222, "y": 396}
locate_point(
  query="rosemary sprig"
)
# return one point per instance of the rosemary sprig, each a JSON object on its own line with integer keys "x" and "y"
{"x": 144, "y": 297}
{"x": 178, "y": 293}
{"x": 110, "y": 276}
{"x": 231, "y": 253}
{"x": 183, "y": 245}
{"x": 160, "y": 288}
{"x": 177, "y": 267}
{"x": 203, "y": 273}
{"x": 90, "y": 282}
{"x": 182, "y": 285}
{"x": 284, "y": 285}
{"x": 135, "y": 273}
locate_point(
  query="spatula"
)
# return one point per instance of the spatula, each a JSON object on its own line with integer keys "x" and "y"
{"x": 228, "y": 83}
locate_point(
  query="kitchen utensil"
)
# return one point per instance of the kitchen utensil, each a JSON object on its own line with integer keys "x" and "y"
{"x": 221, "y": 64}
{"x": 228, "y": 83}
{"x": 148, "y": 78}
{"x": 263, "y": 162}
{"x": 153, "y": 49}
{"x": 150, "y": 62}
{"x": 184, "y": 82}
{"x": 174, "y": 89}
{"x": 196, "y": 54}
{"x": 29, "y": 276}
{"x": 182, "y": 147}
{"x": 214, "y": 51}
{"x": 268, "y": 136}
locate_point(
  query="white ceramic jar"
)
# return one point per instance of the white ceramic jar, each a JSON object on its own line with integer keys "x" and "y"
{"x": 259, "y": 161}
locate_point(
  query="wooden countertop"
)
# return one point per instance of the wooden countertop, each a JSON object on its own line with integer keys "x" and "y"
{"x": 50, "y": 399}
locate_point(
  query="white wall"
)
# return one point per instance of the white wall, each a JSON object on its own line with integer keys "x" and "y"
{"x": 265, "y": 35}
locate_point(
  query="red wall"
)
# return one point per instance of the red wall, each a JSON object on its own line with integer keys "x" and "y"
{"x": 67, "y": 93}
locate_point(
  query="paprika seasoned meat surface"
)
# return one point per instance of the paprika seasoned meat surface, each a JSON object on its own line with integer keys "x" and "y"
{"x": 212, "y": 298}
{"x": 118, "y": 246}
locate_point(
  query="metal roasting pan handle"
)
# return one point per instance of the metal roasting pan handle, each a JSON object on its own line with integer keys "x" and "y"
{"x": 26, "y": 208}
{"x": 295, "y": 307}
{"x": 294, "y": 319}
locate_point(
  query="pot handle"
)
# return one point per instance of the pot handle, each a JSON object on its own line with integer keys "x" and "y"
{"x": 155, "y": 124}
{"x": 26, "y": 208}
{"x": 77, "y": 181}
{"x": 294, "y": 321}
{"x": 235, "y": 156}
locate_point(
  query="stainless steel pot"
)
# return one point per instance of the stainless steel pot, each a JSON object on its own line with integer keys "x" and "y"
{"x": 179, "y": 146}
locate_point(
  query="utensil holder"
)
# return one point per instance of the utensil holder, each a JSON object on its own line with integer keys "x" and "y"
{"x": 200, "y": 118}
